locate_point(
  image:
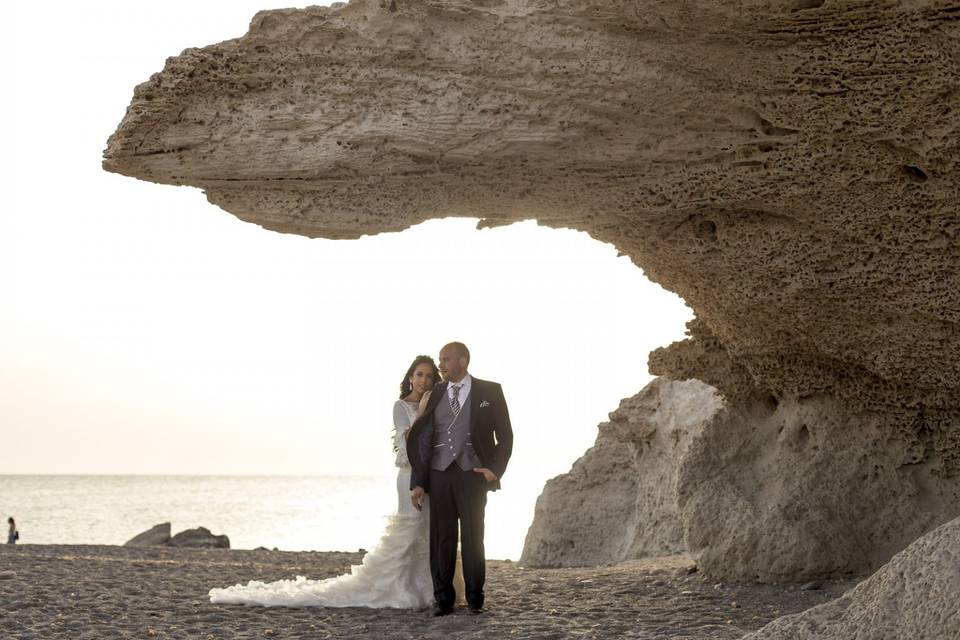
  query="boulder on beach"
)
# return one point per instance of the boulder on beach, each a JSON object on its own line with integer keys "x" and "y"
{"x": 158, "y": 535}
{"x": 199, "y": 538}
{"x": 912, "y": 596}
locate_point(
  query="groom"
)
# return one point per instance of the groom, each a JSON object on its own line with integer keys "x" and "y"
{"x": 458, "y": 451}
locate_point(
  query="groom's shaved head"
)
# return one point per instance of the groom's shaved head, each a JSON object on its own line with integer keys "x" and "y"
{"x": 453, "y": 361}
{"x": 460, "y": 349}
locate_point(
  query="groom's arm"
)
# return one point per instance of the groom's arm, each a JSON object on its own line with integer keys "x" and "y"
{"x": 503, "y": 431}
{"x": 420, "y": 477}
{"x": 420, "y": 474}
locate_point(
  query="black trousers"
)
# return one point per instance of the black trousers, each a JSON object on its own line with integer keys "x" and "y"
{"x": 458, "y": 499}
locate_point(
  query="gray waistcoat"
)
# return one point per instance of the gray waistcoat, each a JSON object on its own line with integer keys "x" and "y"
{"x": 451, "y": 437}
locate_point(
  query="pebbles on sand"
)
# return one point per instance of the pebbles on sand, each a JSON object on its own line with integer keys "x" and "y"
{"x": 81, "y": 592}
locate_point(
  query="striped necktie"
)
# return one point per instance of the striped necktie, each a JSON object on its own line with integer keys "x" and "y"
{"x": 455, "y": 398}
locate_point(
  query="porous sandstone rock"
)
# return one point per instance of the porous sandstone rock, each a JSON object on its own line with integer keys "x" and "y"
{"x": 790, "y": 168}
{"x": 785, "y": 491}
{"x": 806, "y": 489}
{"x": 912, "y": 597}
{"x": 619, "y": 501}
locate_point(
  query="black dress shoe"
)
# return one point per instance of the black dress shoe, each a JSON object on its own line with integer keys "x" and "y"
{"x": 438, "y": 610}
{"x": 474, "y": 608}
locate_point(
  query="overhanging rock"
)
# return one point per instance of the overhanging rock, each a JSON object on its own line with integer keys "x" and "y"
{"x": 788, "y": 167}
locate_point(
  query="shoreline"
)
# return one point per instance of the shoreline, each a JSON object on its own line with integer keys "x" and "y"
{"x": 96, "y": 545}
{"x": 95, "y": 591}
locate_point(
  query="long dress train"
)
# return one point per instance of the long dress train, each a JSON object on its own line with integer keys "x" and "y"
{"x": 395, "y": 573}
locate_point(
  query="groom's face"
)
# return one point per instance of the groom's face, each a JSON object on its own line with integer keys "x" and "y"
{"x": 452, "y": 365}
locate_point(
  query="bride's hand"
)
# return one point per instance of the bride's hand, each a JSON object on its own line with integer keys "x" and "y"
{"x": 416, "y": 497}
{"x": 488, "y": 475}
{"x": 423, "y": 403}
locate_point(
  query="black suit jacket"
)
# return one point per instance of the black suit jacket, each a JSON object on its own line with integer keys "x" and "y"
{"x": 490, "y": 432}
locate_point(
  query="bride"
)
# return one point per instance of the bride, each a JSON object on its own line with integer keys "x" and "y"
{"x": 395, "y": 573}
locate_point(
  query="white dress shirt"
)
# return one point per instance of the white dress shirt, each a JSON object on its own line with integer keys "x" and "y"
{"x": 464, "y": 390}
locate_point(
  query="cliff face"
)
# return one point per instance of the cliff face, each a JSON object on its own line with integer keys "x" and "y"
{"x": 806, "y": 489}
{"x": 619, "y": 501}
{"x": 790, "y": 168}
{"x": 791, "y": 491}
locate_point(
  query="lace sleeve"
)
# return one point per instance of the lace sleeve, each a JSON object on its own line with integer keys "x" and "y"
{"x": 401, "y": 422}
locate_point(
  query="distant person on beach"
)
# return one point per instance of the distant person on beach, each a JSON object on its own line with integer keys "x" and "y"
{"x": 12, "y": 535}
{"x": 395, "y": 573}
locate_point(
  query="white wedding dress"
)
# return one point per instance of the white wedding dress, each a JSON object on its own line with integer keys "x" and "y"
{"x": 395, "y": 573}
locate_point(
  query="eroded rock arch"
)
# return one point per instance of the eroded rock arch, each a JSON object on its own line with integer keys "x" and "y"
{"x": 788, "y": 168}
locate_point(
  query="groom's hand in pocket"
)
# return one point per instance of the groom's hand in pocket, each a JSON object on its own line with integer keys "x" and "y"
{"x": 416, "y": 497}
{"x": 488, "y": 475}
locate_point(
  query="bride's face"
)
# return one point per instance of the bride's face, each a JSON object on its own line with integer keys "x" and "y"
{"x": 422, "y": 378}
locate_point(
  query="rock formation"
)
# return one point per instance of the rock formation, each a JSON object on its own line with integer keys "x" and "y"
{"x": 914, "y": 596}
{"x": 789, "y": 167}
{"x": 199, "y": 537}
{"x": 756, "y": 490}
{"x": 156, "y": 535}
{"x": 159, "y": 535}
{"x": 806, "y": 489}
{"x": 619, "y": 502}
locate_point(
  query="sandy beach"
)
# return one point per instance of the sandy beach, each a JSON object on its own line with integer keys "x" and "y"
{"x": 92, "y": 591}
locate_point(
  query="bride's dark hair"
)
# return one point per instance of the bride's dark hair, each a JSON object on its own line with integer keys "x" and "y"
{"x": 405, "y": 387}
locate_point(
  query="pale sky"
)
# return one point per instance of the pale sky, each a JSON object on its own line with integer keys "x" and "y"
{"x": 143, "y": 330}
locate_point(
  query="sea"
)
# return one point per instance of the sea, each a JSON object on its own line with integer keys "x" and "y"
{"x": 291, "y": 513}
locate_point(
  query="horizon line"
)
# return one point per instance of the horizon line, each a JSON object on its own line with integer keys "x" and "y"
{"x": 210, "y": 475}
